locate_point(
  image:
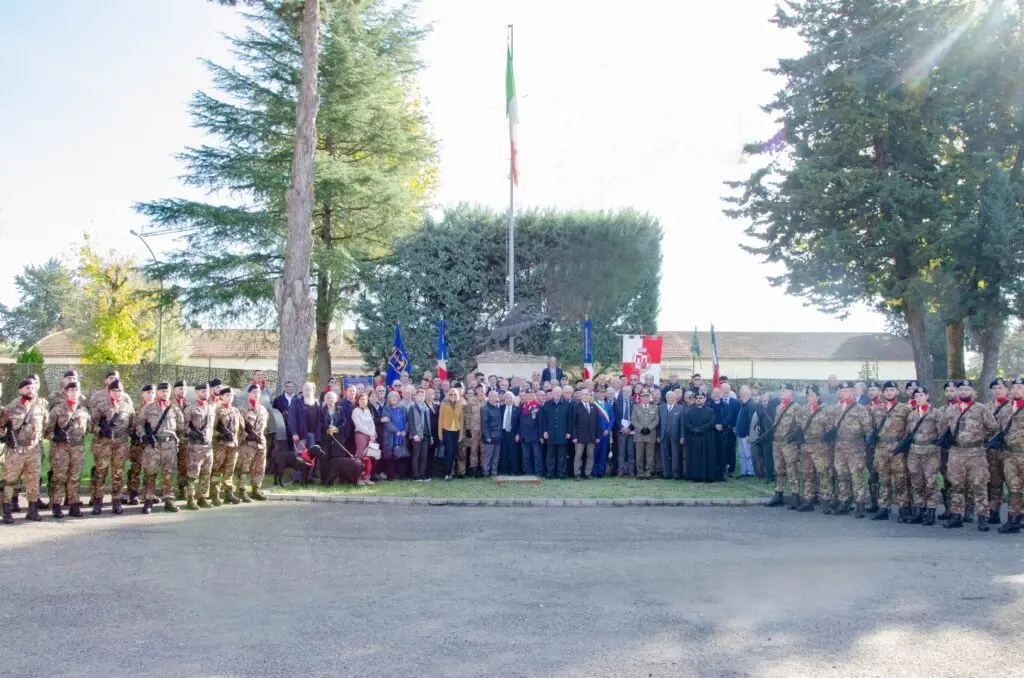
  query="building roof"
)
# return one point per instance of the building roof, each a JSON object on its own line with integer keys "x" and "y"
{"x": 790, "y": 346}
{"x": 59, "y": 345}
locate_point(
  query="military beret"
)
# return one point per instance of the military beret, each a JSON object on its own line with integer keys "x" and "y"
{"x": 966, "y": 382}
{"x": 163, "y": 386}
{"x": 225, "y": 391}
{"x": 70, "y": 373}
{"x": 115, "y": 385}
{"x": 787, "y": 386}
{"x": 875, "y": 384}
{"x": 912, "y": 383}
{"x": 1018, "y": 380}
{"x": 147, "y": 388}
{"x": 846, "y": 384}
{"x": 215, "y": 382}
{"x": 70, "y": 384}
{"x": 179, "y": 384}
{"x": 812, "y": 388}
{"x": 201, "y": 386}
{"x": 113, "y": 373}
{"x": 949, "y": 384}
{"x": 723, "y": 378}
{"x": 998, "y": 381}
{"x": 920, "y": 389}
{"x": 24, "y": 383}
{"x": 253, "y": 387}
{"x": 889, "y": 384}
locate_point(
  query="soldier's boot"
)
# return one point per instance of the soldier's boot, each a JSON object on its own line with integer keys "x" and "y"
{"x": 904, "y": 515}
{"x": 882, "y": 514}
{"x": 14, "y": 504}
{"x": 76, "y": 510}
{"x": 97, "y": 506}
{"x": 256, "y": 494}
{"x": 133, "y": 498}
{"x": 58, "y": 510}
{"x": 794, "y": 502}
{"x": 179, "y": 494}
{"x": 1011, "y": 526}
{"x": 805, "y": 506}
{"x": 829, "y": 508}
{"x": 41, "y": 505}
{"x": 243, "y": 497}
{"x": 115, "y": 505}
{"x": 147, "y": 507}
{"x": 8, "y": 515}
{"x": 969, "y": 516}
{"x": 916, "y": 516}
{"x": 955, "y": 520}
{"x": 170, "y": 506}
{"x": 843, "y": 508}
{"x": 993, "y": 515}
{"x": 67, "y": 501}
{"x": 230, "y": 497}
{"x": 983, "y": 523}
{"x": 777, "y": 500}
{"x": 929, "y": 517}
{"x": 215, "y": 496}
{"x": 873, "y": 496}
{"x": 190, "y": 501}
{"x": 33, "y": 513}
{"x": 203, "y": 503}
{"x": 946, "y": 513}
{"x": 859, "y": 510}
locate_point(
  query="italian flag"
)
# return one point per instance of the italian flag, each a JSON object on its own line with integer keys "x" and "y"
{"x": 513, "y": 115}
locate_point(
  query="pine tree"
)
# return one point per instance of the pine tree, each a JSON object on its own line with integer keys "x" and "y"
{"x": 46, "y": 295}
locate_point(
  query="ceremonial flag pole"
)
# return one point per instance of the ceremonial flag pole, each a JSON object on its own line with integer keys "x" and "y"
{"x": 512, "y": 112}
{"x": 442, "y": 349}
{"x": 714, "y": 358}
{"x": 588, "y": 350}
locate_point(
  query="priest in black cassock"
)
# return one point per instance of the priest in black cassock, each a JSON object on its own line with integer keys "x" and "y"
{"x": 701, "y": 452}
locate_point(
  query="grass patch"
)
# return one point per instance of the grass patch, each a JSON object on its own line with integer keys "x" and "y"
{"x": 598, "y": 488}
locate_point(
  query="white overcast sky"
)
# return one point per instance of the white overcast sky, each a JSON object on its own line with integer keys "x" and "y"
{"x": 644, "y": 104}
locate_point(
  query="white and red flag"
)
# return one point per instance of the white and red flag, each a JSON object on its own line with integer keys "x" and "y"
{"x": 641, "y": 355}
{"x": 513, "y": 116}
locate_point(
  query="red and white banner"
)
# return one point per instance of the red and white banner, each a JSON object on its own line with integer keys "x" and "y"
{"x": 641, "y": 355}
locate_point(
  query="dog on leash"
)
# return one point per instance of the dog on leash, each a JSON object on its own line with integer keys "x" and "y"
{"x": 305, "y": 462}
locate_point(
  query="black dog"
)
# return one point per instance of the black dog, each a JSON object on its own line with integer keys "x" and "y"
{"x": 341, "y": 469}
{"x": 284, "y": 458}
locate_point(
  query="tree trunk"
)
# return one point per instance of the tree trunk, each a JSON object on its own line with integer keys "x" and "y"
{"x": 324, "y": 306}
{"x": 914, "y": 314}
{"x": 294, "y": 305}
{"x": 956, "y": 367}
{"x": 988, "y": 338}
{"x": 323, "y": 353}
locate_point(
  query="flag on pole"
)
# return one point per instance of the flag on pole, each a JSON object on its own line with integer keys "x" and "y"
{"x": 398, "y": 362}
{"x": 695, "y": 344}
{"x": 641, "y": 355}
{"x": 714, "y": 358}
{"x": 588, "y": 350}
{"x": 512, "y": 112}
{"x": 442, "y": 349}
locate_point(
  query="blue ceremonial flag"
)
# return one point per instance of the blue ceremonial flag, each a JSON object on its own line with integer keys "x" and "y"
{"x": 442, "y": 349}
{"x": 588, "y": 350}
{"x": 399, "y": 360}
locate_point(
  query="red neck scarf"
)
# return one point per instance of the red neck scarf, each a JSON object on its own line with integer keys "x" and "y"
{"x": 1017, "y": 404}
{"x": 954, "y": 401}
{"x": 252, "y": 403}
{"x": 180, "y": 400}
{"x": 1000, "y": 401}
{"x": 965, "y": 403}
{"x": 846, "y": 403}
{"x": 162, "y": 403}
{"x": 72, "y": 404}
{"x": 889, "y": 404}
{"x": 876, "y": 401}
{"x": 923, "y": 409}
{"x": 814, "y": 408}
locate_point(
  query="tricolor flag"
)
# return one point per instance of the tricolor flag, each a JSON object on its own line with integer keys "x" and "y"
{"x": 442, "y": 350}
{"x": 513, "y": 115}
{"x": 641, "y": 355}
{"x": 714, "y": 358}
{"x": 588, "y": 350}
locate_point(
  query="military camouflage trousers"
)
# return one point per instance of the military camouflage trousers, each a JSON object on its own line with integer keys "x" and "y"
{"x": 66, "y": 463}
{"x": 108, "y": 455}
{"x": 1013, "y": 472}
{"x": 198, "y": 465}
{"x": 182, "y": 462}
{"x": 787, "y": 467}
{"x": 160, "y": 460}
{"x": 817, "y": 472}
{"x": 850, "y": 463}
{"x": 923, "y": 463}
{"x": 134, "y": 467}
{"x": 968, "y": 471}
{"x": 892, "y": 477}
{"x": 995, "y": 479}
{"x": 252, "y": 463}
{"x": 224, "y": 459}
{"x": 470, "y": 446}
{"x": 23, "y": 461}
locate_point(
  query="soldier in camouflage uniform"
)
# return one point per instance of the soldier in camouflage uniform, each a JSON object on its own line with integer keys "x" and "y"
{"x": 1012, "y": 424}
{"x": 23, "y": 422}
{"x": 816, "y": 454}
{"x": 178, "y": 398}
{"x": 971, "y": 425}
{"x": 852, "y": 424}
{"x": 199, "y": 425}
{"x": 786, "y": 455}
{"x": 472, "y": 440}
{"x": 952, "y": 400}
{"x": 1000, "y": 404}
{"x": 68, "y": 424}
{"x": 112, "y": 421}
{"x": 889, "y": 419}
{"x": 923, "y": 457}
{"x": 225, "y": 450}
{"x": 135, "y": 451}
{"x": 157, "y": 426}
{"x": 874, "y": 400}
{"x": 252, "y": 455}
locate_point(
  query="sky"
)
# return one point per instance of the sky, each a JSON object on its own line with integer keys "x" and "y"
{"x": 646, "y": 107}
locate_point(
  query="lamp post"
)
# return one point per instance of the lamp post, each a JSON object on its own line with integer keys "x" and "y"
{"x": 160, "y": 332}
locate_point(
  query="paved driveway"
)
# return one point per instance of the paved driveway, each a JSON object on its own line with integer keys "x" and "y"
{"x": 316, "y": 590}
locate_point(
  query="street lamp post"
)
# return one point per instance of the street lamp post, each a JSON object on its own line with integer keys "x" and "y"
{"x": 160, "y": 331}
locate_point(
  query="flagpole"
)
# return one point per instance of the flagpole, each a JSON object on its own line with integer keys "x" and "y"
{"x": 511, "y": 221}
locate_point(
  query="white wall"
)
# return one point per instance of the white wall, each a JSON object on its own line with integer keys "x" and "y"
{"x": 793, "y": 369}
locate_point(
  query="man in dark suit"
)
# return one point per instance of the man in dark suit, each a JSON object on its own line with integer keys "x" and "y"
{"x": 670, "y": 437}
{"x": 552, "y": 372}
{"x": 557, "y": 415}
{"x": 282, "y": 404}
{"x": 585, "y": 429}
{"x": 625, "y": 447}
{"x": 304, "y": 418}
{"x": 730, "y": 409}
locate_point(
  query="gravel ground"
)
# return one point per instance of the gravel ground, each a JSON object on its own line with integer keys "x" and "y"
{"x": 339, "y": 590}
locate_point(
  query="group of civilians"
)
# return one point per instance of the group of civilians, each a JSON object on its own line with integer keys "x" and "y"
{"x": 488, "y": 425}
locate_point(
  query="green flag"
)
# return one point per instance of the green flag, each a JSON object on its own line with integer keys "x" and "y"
{"x": 695, "y": 344}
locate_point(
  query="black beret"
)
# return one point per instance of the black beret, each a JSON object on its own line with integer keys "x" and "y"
{"x": 912, "y": 382}
{"x": 920, "y": 389}
{"x": 163, "y": 386}
{"x": 998, "y": 381}
{"x": 201, "y": 386}
{"x": 225, "y": 391}
{"x": 179, "y": 384}
{"x": 846, "y": 384}
{"x": 147, "y": 388}
{"x": 70, "y": 373}
{"x": 70, "y": 384}
{"x": 949, "y": 384}
{"x": 787, "y": 386}
{"x": 875, "y": 384}
{"x": 115, "y": 384}
{"x": 113, "y": 373}
{"x": 215, "y": 382}
{"x": 812, "y": 388}
{"x": 1018, "y": 380}
{"x": 723, "y": 378}
{"x": 253, "y": 387}
{"x": 890, "y": 384}
{"x": 24, "y": 383}
{"x": 966, "y": 382}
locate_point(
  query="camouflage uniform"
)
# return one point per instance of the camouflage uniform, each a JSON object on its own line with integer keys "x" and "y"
{"x": 66, "y": 458}
{"x": 252, "y": 456}
{"x": 111, "y": 453}
{"x": 891, "y": 470}
{"x": 968, "y": 464}
{"x": 225, "y": 452}
{"x": 28, "y": 422}
{"x": 199, "y": 417}
{"x": 182, "y": 452}
{"x": 1013, "y": 456}
{"x": 471, "y": 441}
{"x": 923, "y": 460}
{"x": 851, "y": 450}
{"x": 816, "y": 455}
{"x": 787, "y": 455}
{"x": 1001, "y": 411}
{"x": 162, "y": 457}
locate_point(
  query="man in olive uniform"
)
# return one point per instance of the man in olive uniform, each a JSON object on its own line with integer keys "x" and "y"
{"x": 135, "y": 450}
{"x": 645, "y": 425}
{"x": 952, "y": 400}
{"x": 225, "y": 451}
{"x": 971, "y": 425}
{"x": 874, "y": 401}
{"x": 178, "y": 395}
{"x": 889, "y": 420}
{"x": 23, "y": 423}
{"x": 925, "y": 423}
{"x": 851, "y": 422}
{"x": 112, "y": 420}
{"x": 786, "y": 455}
{"x": 252, "y": 456}
{"x": 1012, "y": 425}
{"x": 816, "y": 453}
{"x": 69, "y": 422}
{"x": 199, "y": 425}
{"x": 1000, "y": 403}
{"x": 471, "y": 440}
{"x": 158, "y": 423}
